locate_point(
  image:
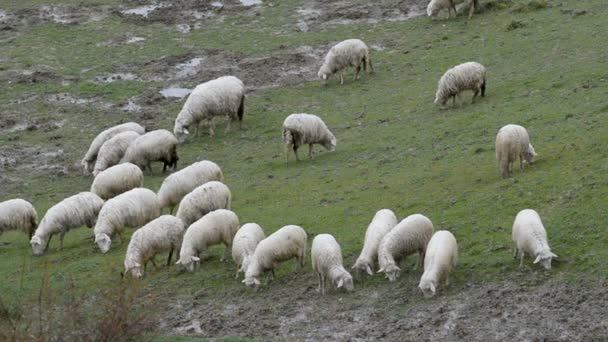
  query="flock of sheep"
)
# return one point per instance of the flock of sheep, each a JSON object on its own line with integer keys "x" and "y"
{"x": 117, "y": 199}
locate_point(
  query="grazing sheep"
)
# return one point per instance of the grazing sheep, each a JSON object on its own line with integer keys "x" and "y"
{"x": 133, "y": 208}
{"x": 159, "y": 145}
{"x": 205, "y": 198}
{"x": 513, "y": 142}
{"x": 530, "y": 238}
{"x": 286, "y": 243}
{"x": 300, "y": 129}
{"x": 382, "y": 223}
{"x": 91, "y": 156}
{"x": 112, "y": 151}
{"x": 351, "y": 52}
{"x": 223, "y": 96}
{"x": 243, "y": 245}
{"x": 435, "y": 6}
{"x": 327, "y": 263}
{"x": 441, "y": 256}
{"x": 465, "y": 76}
{"x": 218, "y": 226}
{"x": 409, "y": 236}
{"x": 18, "y": 214}
{"x": 73, "y": 212}
{"x": 158, "y": 236}
{"x": 116, "y": 180}
{"x": 180, "y": 183}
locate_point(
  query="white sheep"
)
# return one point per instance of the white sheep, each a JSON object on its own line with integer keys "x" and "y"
{"x": 347, "y": 53}
{"x": 512, "y": 143}
{"x": 327, "y": 263}
{"x": 530, "y": 238}
{"x": 90, "y": 157}
{"x": 18, "y": 214}
{"x": 286, "y": 243}
{"x": 159, "y": 235}
{"x": 223, "y": 96}
{"x": 73, "y": 212}
{"x": 116, "y": 180}
{"x": 435, "y": 6}
{"x": 158, "y": 145}
{"x": 180, "y": 183}
{"x": 409, "y": 236}
{"x": 112, "y": 151}
{"x": 465, "y": 76}
{"x": 133, "y": 208}
{"x": 203, "y": 199}
{"x": 441, "y": 257}
{"x": 381, "y": 224}
{"x": 217, "y": 227}
{"x": 302, "y": 128}
{"x": 243, "y": 245}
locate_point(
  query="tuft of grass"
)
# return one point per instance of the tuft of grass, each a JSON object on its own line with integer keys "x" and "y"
{"x": 533, "y": 5}
{"x": 515, "y": 24}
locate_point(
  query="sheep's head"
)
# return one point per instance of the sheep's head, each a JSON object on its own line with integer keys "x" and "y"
{"x": 331, "y": 143}
{"x": 189, "y": 262}
{"x": 432, "y": 9}
{"x": 530, "y": 154}
{"x": 180, "y": 131}
{"x": 252, "y": 282}
{"x": 346, "y": 282}
{"x": 103, "y": 241}
{"x": 544, "y": 258}
{"x": 135, "y": 268}
{"x": 363, "y": 266}
{"x": 324, "y": 74}
{"x": 427, "y": 287}
{"x": 391, "y": 271}
{"x": 38, "y": 245}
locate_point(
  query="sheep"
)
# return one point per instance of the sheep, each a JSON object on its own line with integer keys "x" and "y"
{"x": 116, "y": 180}
{"x": 18, "y": 214}
{"x": 513, "y": 142}
{"x": 133, "y": 208}
{"x": 530, "y": 238}
{"x": 73, "y": 212}
{"x": 244, "y": 244}
{"x": 112, "y": 151}
{"x": 159, "y": 235}
{"x": 302, "y": 128}
{"x": 441, "y": 257}
{"x": 347, "y": 53}
{"x": 180, "y": 183}
{"x": 203, "y": 199}
{"x": 382, "y": 223}
{"x": 327, "y": 263}
{"x": 465, "y": 76}
{"x": 91, "y": 156}
{"x": 218, "y": 226}
{"x": 158, "y": 145}
{"x": 223, "y": 96}
{"x": 409, "y": 236}
{"x": 435, "y": 6}
{"x": 286, "y": 243}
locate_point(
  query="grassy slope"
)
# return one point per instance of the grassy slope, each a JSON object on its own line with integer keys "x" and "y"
{"x": 395, "y": 148}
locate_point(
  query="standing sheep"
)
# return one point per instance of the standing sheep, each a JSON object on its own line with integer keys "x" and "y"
{"x": 91, "y": 156}
{"x": 180, "y": 183}
{"x": 133, "y": 208}
{"x": 327, "y": 263}
{"x": 435, "y": 6}
{"x": 441, "y": 256}
{"x": 202, "y": 200}
{"x": 512, "y": 143}
{"x": 116, "y": 180}
{"x": 18, "y": 214}
{"x": 112, "y": 151}
{"x": 159, "y": 145}
{"x": 351, "y": 52}
{"x": 218, "y": 226}
{"x": 73, "y": 212}
{"x": 244, "y": 243}
{"x": 530, "y": 238}
{"x": 300, "y": 129}
{"x": 286, "y": 243}
{"x": 158, "y": 236}
{"x": 223, "y": 96}
{"x": 409, "y": 236}
{"x": 465, "y": 76}
{"x": 381, "y": 224}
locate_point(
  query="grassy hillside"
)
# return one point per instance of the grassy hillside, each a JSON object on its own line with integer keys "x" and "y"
{"x": 396, "y": 149}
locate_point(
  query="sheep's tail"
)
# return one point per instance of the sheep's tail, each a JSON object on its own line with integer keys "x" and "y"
{"x": 369, "y": 62}
{"x": 287, "y": 136}
{"x": 241, "y": 110}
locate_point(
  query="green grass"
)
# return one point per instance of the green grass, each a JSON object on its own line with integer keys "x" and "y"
{"x": 395, "y": 148}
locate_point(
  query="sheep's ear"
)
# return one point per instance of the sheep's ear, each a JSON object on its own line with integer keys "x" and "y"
{"x": 369, "y": 270}
{"x": 324, "y": 76}
{"x": 433, "y": 288}
{"x": 553, "y": 255}
{"x": 256, "y": 281}
{"x": 136, "y": 264}
{"x": 340, "y": 283}
{"x": 179, "y": 262}
{"x": 537, "y": 259}
{"x": 195, "y": 259}
{"x": 186, "y": 131}
{"x": 380, "y": 270}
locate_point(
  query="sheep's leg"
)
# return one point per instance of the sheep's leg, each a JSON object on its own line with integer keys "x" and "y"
{"x": 48, "y": 243}
{"x": 521, "y": 258}
{"x": 120, "y": 237}
{"x": 169, "y": 258}
{"x": 475, "y": 95}
{"x": 211, "y": 128}
{"x": 515, "y": 251}
{"x": 149, "y": 166}
{"x": 228, "y": 126}
{"x": 471, "y": 9}
{"x": 287, "y": 148}
{"x": 320, "y": 283}
{"x": 341, "y": 78}
{"x": 238, "y": 267}
{"x": 453, "y": 100}
{"x": 61, "y": 236}
{"x": 295, "y": 151}
{"x": 521, "y": 161}
{"x": 323, "y": 284}
{"x": 420, "y": 262}
{"x": 226, "y": 253}
{"x": 310, "y": 151}
{"x": 152, "y": 259}
{"x": 357, "y": 72}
